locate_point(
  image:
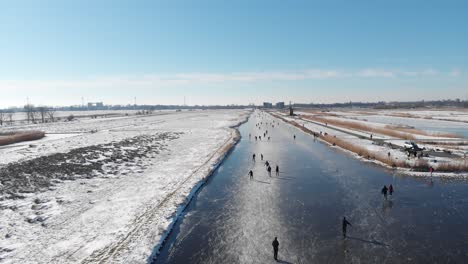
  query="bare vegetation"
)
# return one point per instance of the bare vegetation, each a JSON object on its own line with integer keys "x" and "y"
{"x": 10, "y": 117}
{"x": 16, "y": 137}
{"x": 2, "y": 117}
{"x": 453, "y": 167}
{"x": 406, "y": 115}
{"x": 51, "y": 114}
{"x": 361, "y": 127}
{"x": 42, "y": 112}
{"x": 31, "y": 113}
{"x": 421, "y": 132}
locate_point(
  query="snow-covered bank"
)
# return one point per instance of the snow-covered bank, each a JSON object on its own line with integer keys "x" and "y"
{"x": 119, "y": 213}
{"x": 378, "y": 151}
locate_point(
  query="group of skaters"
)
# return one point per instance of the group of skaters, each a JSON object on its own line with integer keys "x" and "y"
{"x": 265, "y": 134}
{"x": 385, "y": 191}
{"x": 267, "y": 165}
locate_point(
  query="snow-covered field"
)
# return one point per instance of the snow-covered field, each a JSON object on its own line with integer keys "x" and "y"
{"x": 387, "y": 143}
{"x": 105, "y": 190}
{"x": 21, "y": 116}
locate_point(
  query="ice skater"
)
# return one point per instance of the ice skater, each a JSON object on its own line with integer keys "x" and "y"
{"x": 384, "y": 191}
{"x": 294, "y": 137}
{"x": 390, "y": 189}
{"x": 251, "y": 174}
{"x": 253, "y": 157}
{"x": 269, "y": 171}
{"x": 277, "y": 170}
{"x": 345, "y": 226}
{"x": 275, "y": 245}
{"x": 261, "y": 156}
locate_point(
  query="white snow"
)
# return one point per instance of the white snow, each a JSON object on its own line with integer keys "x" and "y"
{"x": 116, "y": 217}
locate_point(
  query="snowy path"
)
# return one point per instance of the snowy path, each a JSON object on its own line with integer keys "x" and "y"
{"x": 234, "y": 219}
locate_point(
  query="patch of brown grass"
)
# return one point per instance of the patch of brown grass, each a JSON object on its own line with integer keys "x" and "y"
{"x": 444, "y": 143}
{"x": 421, "y": 132}
{"x": 362, "y": 127}
{"x": 16, "y": 137}
{"x": 420, "y": 165}
{"x": 452, "y": 167}
{"x": 363, "y": 112}
{"x": 407, "y": 115}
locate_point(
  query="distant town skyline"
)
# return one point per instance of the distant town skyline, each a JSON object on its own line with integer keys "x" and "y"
{"x": 240, "y": 52}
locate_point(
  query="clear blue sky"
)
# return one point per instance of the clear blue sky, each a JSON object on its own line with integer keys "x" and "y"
{"x": 56, "y": 52}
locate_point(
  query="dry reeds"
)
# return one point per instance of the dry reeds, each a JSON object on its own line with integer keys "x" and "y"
{"x": 452, "y": 167}
{"x": 406, "y": 115}
{"x": 16, "y": 137}
{"x": 421, "y": 132}
{"x": 362, "y": 127}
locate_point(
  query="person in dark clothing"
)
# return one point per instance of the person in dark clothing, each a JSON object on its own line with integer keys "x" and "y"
{"x": 277, "y": 170}
{"x": 384, "y": 191}
{"x": 294, "y": 137}
{"x": 390, "y": 189}
{"x": 345, "y": 226}
{"x": 253, "y": 157}
{"x": 261, "y": 156}
{"x": 267, "y": 164}
{"x": 251, "y": 174}
{"x": 269, "y": 170}
{"x": 275, "y": 245}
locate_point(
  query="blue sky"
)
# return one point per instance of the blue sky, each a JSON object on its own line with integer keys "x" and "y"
{"x": 215, "y": 52}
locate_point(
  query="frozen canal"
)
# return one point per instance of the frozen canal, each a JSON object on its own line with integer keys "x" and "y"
{"x": 234, "y": 219}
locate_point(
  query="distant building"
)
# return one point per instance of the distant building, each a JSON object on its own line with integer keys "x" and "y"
{"x": 267, "y": 105}
{"x": 280, "y": 105}
{"x": 96, "y": 106}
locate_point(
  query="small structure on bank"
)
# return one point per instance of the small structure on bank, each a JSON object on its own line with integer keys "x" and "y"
{"x": 291, "y": 110}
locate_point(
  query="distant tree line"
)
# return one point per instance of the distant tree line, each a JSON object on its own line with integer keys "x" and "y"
{"x": 44, "y": 114}
{"x": 39, "y": 114}
{"x": 6, "y": 116}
